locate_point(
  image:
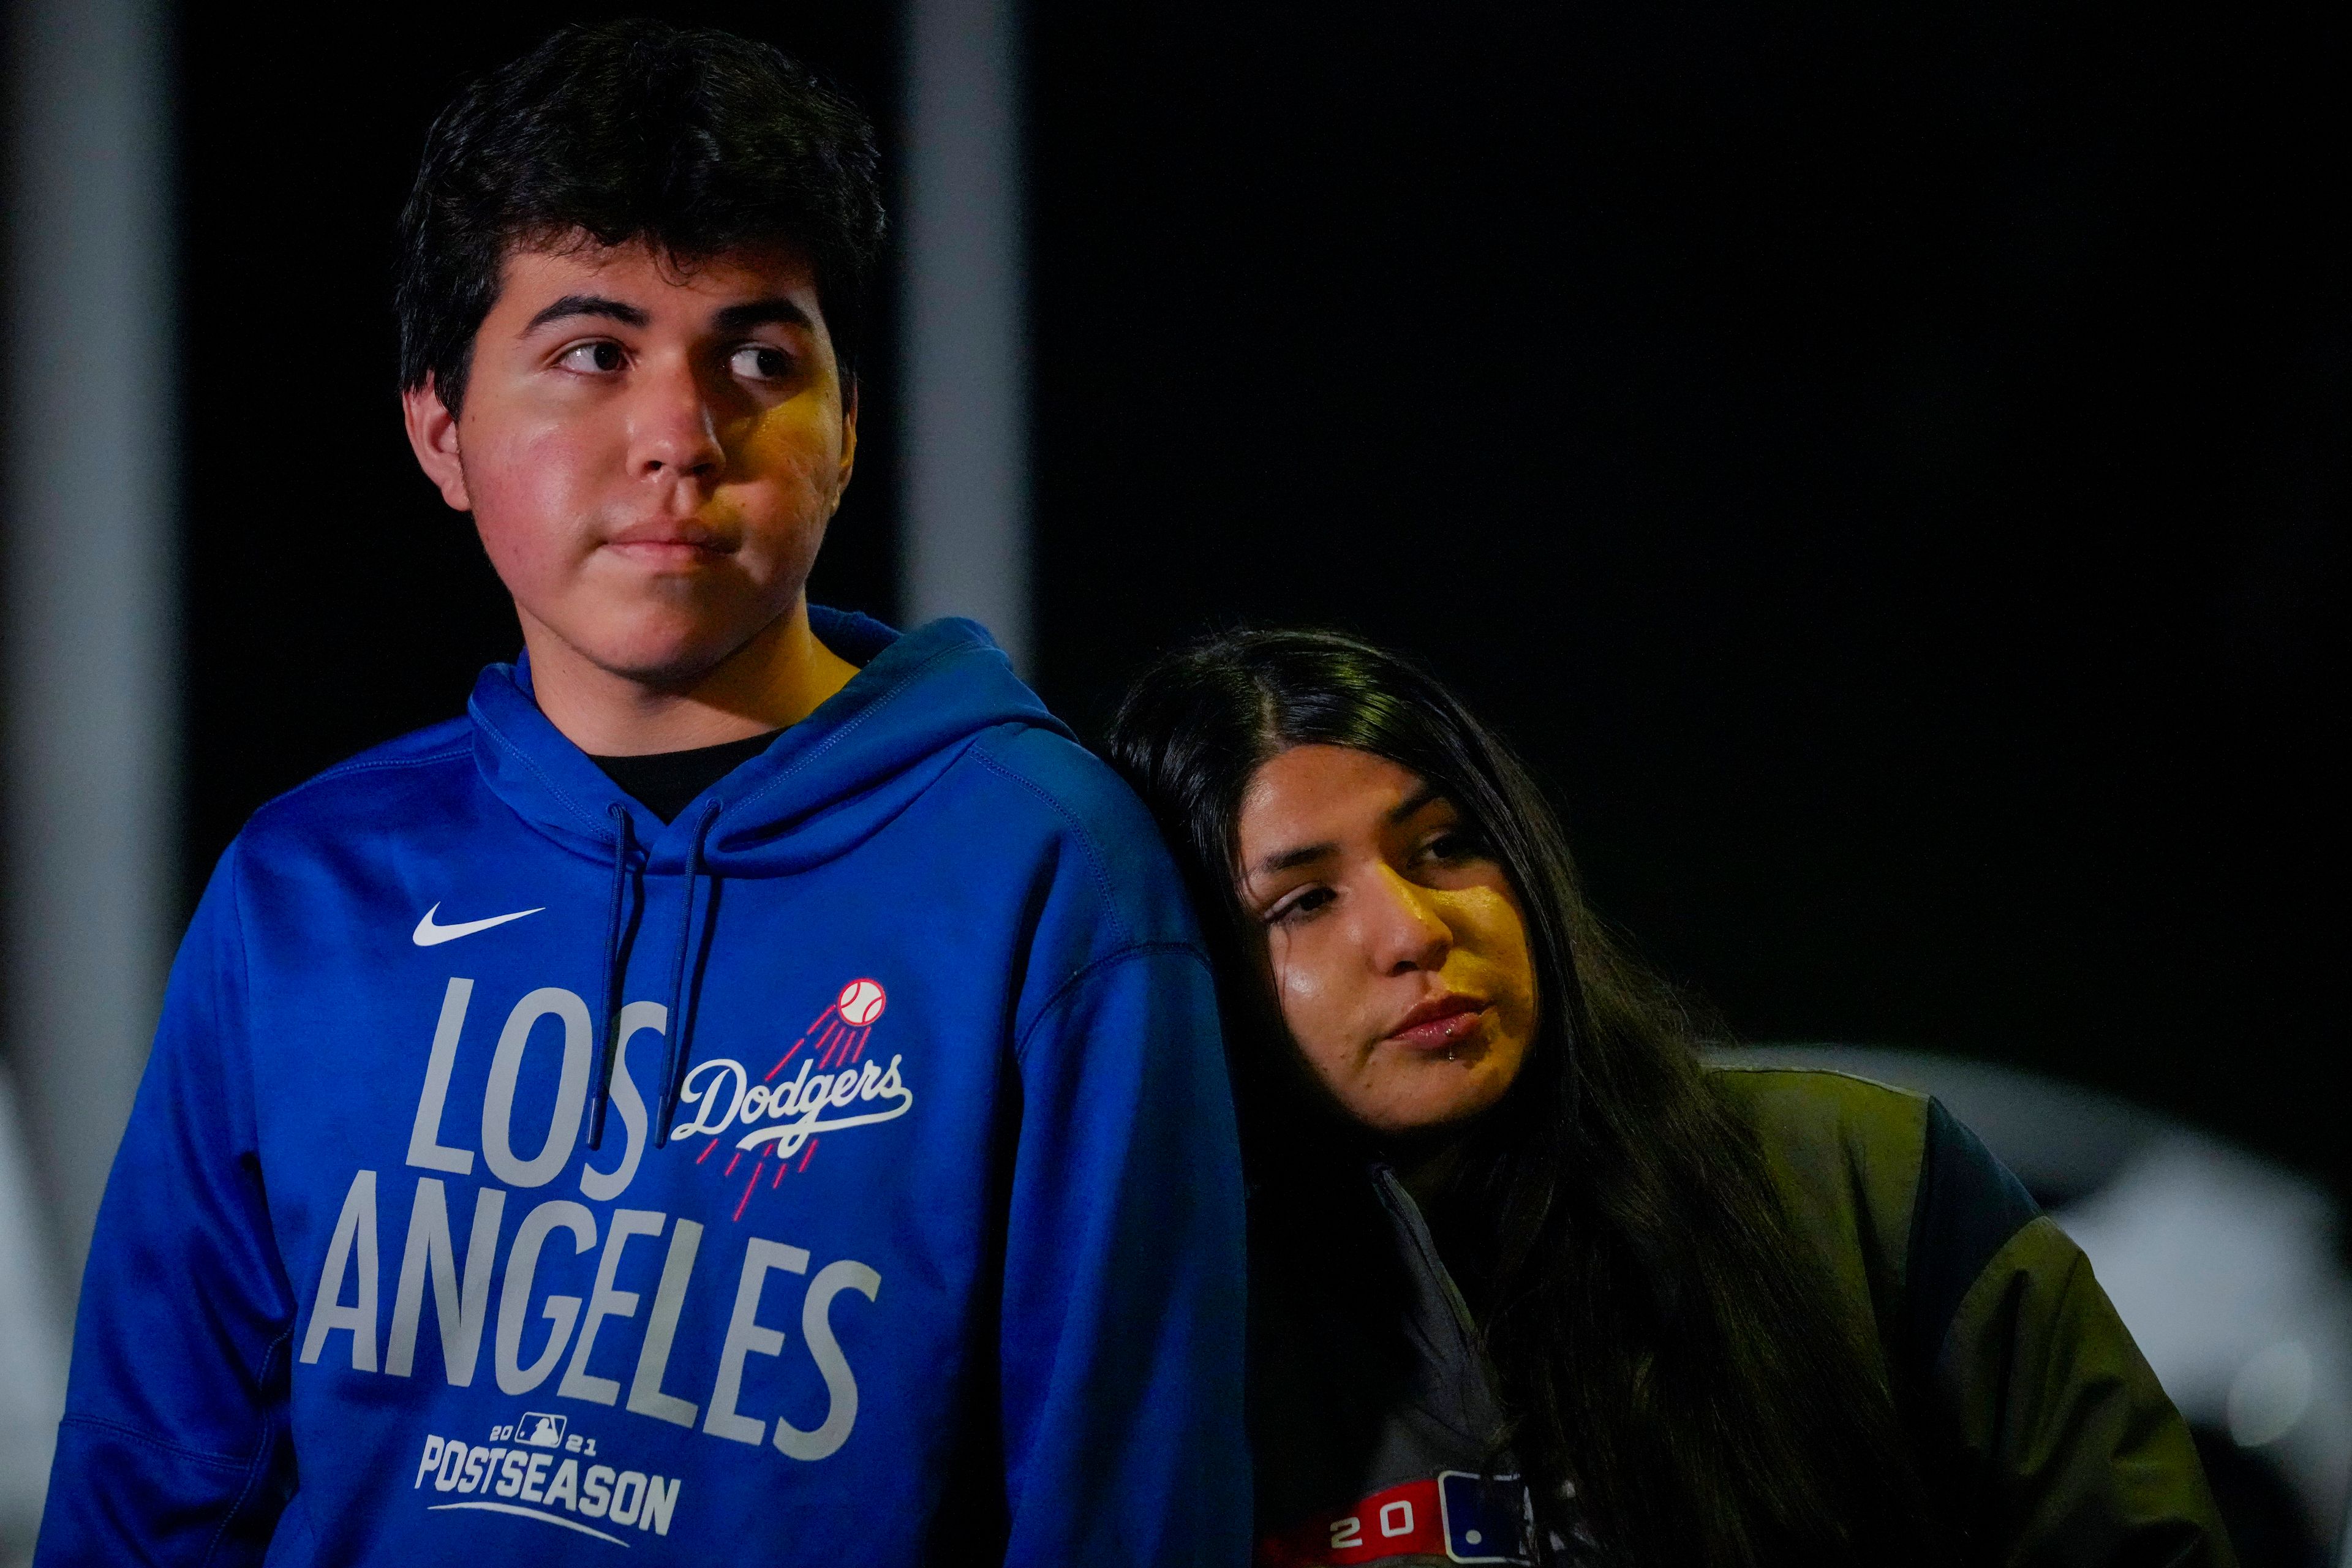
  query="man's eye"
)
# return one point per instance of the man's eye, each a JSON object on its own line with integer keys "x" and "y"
{"x": 602, "y": 357}
{"x": 761, "y": 362}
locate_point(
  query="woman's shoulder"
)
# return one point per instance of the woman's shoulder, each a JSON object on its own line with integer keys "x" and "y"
{"x": 1818, "y": 1103}
{"x": 1833, "y": 1143}
{"x": 1844, "y": 1155}
{"x": 2041, "y": 1410}
{"x": 1902, "y": 1198}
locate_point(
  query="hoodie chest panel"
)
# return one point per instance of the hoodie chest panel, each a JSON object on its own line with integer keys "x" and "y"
{"x": 777, "y": 1292}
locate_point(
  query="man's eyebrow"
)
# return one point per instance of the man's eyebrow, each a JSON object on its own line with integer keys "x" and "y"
{"x": 760, "y": 314}
{"x": 588, "y": 305}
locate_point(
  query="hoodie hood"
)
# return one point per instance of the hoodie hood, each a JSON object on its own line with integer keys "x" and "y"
{"x": 827, "y": 784}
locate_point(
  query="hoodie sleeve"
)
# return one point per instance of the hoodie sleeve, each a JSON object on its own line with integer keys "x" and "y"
{"x": 1124, "y": 1292}
{"x": 172, "y": 1448}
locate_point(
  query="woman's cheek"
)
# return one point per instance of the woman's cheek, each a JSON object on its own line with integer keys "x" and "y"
{"x": 1309, "y": 1013}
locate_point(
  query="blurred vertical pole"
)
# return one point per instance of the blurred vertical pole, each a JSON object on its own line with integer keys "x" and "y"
{"x": 966, "y": 516}
{"x": 92, "y": 651}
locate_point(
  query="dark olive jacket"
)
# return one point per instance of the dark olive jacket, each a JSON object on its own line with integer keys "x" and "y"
{"x": 2040, "y": 1428}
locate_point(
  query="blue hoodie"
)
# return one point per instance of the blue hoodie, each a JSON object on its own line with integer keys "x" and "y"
{"x": 904, "y": 1224}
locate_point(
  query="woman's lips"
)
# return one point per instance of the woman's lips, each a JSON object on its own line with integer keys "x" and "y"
{"x": 1439, "y": 1025}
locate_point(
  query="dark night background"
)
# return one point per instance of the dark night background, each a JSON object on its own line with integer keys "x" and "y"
{"x": 1885, "y": 464}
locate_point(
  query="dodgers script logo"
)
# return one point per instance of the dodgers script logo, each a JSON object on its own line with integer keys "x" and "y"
{"x": 835, "y": 1088}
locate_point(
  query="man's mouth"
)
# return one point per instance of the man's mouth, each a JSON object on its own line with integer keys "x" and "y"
{"x": 670, "y": 543}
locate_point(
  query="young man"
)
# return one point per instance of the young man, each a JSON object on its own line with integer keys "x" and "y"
{"x": 750, "y": 1091}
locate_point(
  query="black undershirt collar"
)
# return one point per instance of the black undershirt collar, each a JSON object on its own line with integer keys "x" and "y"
{"x": 666, "y": 783}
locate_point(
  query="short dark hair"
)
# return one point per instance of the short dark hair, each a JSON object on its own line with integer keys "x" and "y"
{"x": 693, "y": 141}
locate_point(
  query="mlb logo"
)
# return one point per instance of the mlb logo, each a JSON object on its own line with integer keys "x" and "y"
{"x": 537, "y": 1429}
{"x": 1486, "y": 1521}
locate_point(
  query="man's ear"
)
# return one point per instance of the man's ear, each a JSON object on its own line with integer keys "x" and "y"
{"x": 433, "y": 436}
{"x": 849, "y": 440}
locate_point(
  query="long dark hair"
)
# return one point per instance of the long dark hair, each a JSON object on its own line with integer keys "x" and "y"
{"x": 1664, "y": 1343}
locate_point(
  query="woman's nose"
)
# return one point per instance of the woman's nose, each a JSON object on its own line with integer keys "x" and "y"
{"x": 1406, "y": 931}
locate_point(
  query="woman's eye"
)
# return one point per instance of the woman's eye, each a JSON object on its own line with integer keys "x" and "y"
{"x": 600, "y": 358}
{"x": 761, "y": 362}
{"x": 1307, "y": 902}
{"x": 1454, "y": 845}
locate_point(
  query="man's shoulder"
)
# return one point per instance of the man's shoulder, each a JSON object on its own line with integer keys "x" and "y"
{"x": 414, "y": 772}
{"x": 1072, "y": 796}
{"x": 1065, "y": 782}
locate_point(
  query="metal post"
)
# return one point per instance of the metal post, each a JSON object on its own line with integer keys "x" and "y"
{"x": 966, "y": 548}
{"x": 92, "y": 651}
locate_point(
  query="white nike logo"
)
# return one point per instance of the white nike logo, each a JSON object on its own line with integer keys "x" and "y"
{"x": 430, "y": 935}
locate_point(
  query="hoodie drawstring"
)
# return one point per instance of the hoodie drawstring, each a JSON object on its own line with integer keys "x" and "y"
{"x": 681, "y": 1025}
{"x": 615, "y": 929}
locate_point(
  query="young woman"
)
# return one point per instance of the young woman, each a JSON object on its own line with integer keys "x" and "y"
{"x": 1529, "y": 1281}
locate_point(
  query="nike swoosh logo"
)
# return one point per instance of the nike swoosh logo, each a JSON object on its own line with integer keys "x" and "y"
{"x": 431, "y": 935}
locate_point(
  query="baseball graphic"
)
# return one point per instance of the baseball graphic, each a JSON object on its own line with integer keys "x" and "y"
{"x": 861, "y": 1003}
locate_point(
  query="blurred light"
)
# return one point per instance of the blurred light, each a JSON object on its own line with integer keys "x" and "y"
{"x": 2271, "y": 1394}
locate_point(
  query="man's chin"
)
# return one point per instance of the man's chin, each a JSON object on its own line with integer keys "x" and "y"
{"x": 665, "y": 648}
{"x": 672, "y": 668}
{"x": 673, "y": 660}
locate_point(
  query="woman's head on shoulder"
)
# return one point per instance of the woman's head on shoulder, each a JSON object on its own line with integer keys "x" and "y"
{"x": 1361, "y": 845}
{"x": 1401, "y": 951}
{"x": 1394, "y": 940}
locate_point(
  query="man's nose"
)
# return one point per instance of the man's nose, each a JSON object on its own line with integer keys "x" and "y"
{"x": 1406, "y": 931}
{"x": 674, "y": 425}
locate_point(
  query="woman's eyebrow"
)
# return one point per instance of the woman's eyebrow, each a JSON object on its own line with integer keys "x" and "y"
{"x": 1287, "y": 859}
{"x": 1413, "y": 804}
